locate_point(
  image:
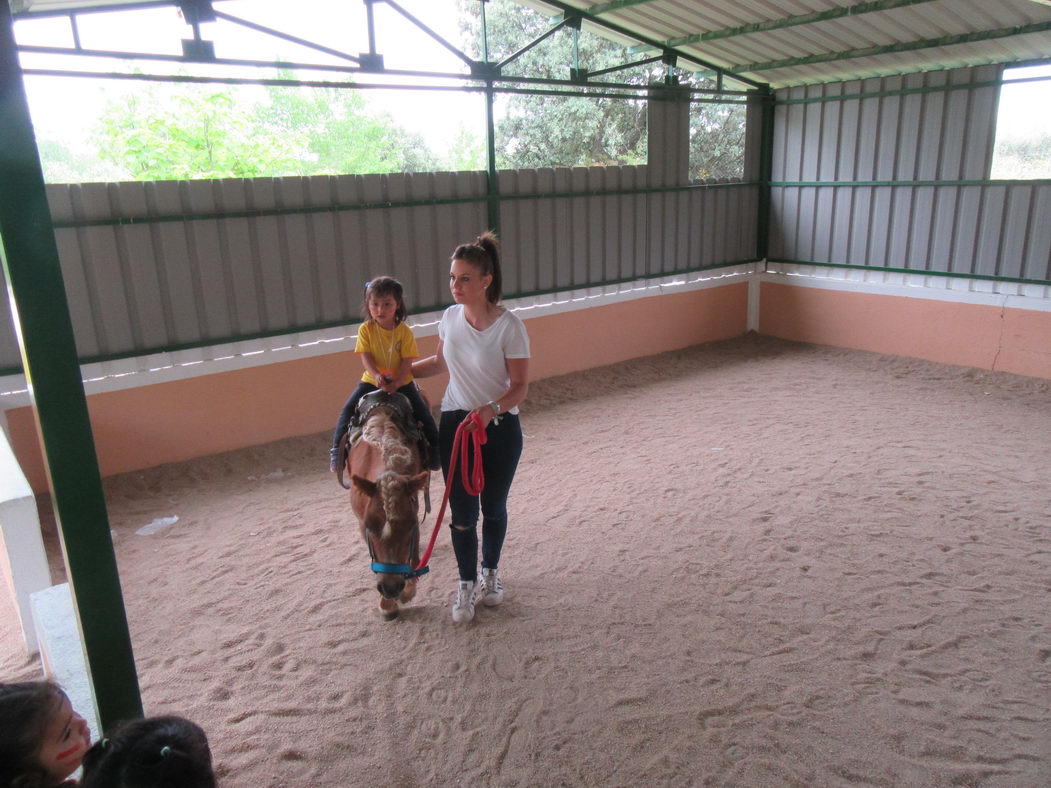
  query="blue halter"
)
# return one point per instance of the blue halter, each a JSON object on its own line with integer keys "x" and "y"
{"x": 405, "y": 570}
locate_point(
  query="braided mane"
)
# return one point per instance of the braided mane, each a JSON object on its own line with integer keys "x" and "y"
{"x": 398, "y": 459}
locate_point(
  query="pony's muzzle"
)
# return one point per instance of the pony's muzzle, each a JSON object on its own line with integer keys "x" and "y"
{"x": 390, "y": 586}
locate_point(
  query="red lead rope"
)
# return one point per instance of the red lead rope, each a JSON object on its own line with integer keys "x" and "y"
{"x": 473, "y": 481}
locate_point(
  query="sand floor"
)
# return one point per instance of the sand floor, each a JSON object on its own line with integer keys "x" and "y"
{"x": 751, "y": 563}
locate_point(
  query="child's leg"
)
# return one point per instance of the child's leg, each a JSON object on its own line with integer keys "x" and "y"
{"x": 349, "y": 407}
{"x": 421, "y": 412}
{"x": 426, "y": 420}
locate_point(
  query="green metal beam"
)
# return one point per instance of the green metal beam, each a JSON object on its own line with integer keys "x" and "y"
{"x": 766, "y": 168}
{"x": 49, "y": 355}
{"x": 569, "y": 10}
{"x": 793, "y": 21}
{"x": 910, "y": 184}
{"x": 909, "y": 46}
{"x": 426, "y": 30}
{"x": 236, "y": 20}
{"x": 542, "y": 37}
{"x": 101, "y": 8}
{"x": 903, "y": 91}
{"x": 492, "y": 177}
{"x": 616, "y": 5}
{"x": 279, "y": 82}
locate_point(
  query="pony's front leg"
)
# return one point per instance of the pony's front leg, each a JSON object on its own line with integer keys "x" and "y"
{"x": 409, "y": 592}
{"x": 389, "y": 608}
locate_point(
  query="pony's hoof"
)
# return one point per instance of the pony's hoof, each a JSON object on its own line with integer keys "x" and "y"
{"x": 390, "y": 615}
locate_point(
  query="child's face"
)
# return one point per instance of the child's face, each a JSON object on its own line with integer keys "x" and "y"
{"x": 382, "y": 309}
{"x": 66, "y": 739}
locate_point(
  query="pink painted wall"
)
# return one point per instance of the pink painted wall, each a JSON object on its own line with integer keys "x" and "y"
{"x": 179, "y": 420}
{"x": 986, "y": 337}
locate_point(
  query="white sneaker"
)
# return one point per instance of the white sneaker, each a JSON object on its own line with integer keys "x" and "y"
{"x": 491, "y": 591}
{"x": 463, "y": 605}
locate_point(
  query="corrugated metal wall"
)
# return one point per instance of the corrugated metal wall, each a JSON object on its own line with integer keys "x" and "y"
{"x": 910, "y": 139}
{"x": 294, "y": 253}
{"x": 565, "y": 242}
{"x": 280, "y": 258}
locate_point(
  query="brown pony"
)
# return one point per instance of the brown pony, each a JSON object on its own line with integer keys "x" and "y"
{"x": 387, "y": 476}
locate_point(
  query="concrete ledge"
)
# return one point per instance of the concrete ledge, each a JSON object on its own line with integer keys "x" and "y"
{"x": 23, "y": 561}
{"x": 62, "y": 650}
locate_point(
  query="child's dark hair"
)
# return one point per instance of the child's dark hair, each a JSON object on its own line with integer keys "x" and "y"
{"x": 157, "y": 752}
{"x": 484, "y": 254}
{"x": 384, "y": 287}
{"x": 26, "y": 709}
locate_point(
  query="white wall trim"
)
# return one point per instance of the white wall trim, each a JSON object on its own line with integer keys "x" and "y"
{"x": 987, "y": 292}
{"x": 182, "y": 364}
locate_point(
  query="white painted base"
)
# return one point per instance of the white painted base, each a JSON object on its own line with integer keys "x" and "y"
{"x": 23, "y": 561}
{"x": 62, "y": 650}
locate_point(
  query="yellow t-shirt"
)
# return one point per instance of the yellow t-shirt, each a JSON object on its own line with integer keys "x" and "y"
{"x": 388, "y": 348}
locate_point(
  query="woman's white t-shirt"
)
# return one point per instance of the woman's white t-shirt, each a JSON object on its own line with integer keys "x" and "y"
{"x": 477, "y": 359}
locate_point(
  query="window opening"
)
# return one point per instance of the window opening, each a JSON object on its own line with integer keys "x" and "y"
{"x": 1023, "y": 125}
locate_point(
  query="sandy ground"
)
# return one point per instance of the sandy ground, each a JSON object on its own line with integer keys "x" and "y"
{"x": 752, "y": 563}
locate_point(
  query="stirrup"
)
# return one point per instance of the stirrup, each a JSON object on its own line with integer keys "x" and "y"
{"x": 344, "y": 450}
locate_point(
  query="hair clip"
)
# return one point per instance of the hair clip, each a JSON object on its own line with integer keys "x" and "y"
{"x": 166, "y": 751}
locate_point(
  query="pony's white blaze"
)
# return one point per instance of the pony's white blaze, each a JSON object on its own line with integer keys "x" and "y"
{"x": 387, "y": 477}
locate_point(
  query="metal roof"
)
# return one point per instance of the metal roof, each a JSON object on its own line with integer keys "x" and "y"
{"x": 796, "y": 42}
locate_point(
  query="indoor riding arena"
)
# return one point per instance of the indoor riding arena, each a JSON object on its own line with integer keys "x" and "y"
{"x": 782, "y": 516}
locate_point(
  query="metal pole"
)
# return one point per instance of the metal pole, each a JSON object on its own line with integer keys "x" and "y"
{"x": 492, "y": 180}
{"x": 766, "y": 167}
{"x": 49, "y": 356}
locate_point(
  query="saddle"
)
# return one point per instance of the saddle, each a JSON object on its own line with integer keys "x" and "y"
{"x": 397, "y": 407}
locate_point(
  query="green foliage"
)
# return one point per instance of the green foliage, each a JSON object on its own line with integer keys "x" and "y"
{"x": 339, "y": 134}
{"x": 717, "y": 141}
{"x": 467, "y": 151}
{"x": 557, "y": 131}
{"x": 63, "y": 165}
{"x": 1017, "y": 159}
{"x": 177, "y": 132}
{"x": 567, "y": 131}
{"x": 189, "y": 131}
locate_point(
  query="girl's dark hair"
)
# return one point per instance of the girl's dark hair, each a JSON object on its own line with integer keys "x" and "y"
{"x": 382, "y": 287}
{"x": 484, "y": 254}
{"x": 25, "y": 711}
{"x": 157, "y": 752}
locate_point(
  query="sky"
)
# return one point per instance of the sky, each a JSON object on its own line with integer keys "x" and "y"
{"x": 64, "y": 107}
{"x": 1025, "y": 108}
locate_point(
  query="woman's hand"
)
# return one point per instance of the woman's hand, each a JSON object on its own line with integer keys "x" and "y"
{"x": 485, "y": 415}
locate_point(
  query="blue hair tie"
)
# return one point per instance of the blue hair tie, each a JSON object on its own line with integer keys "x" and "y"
{"x": 166, "y": 751}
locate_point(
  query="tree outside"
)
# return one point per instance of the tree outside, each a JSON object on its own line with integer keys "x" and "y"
{"x": 568, "y": 131}
{"x": 164, "y": 131}
{"x": 1023, "y": 159}
{"x": 204, "y": 131}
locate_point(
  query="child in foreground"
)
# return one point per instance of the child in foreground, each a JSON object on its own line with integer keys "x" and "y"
{"x": 42, "y": 739}
{"x": 157, "y": 752}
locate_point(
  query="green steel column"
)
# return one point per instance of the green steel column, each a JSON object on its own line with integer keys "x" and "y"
{"x": 34, "y": 279}
{"x": 766, "y": 168}
{"x": 492, "y": 182}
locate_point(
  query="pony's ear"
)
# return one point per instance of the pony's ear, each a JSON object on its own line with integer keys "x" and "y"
{"x": 367, "y": 487}
{"x": 416, "y": 482}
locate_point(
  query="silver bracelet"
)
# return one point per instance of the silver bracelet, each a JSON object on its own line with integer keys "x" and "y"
{"x": 495, "y": 406}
